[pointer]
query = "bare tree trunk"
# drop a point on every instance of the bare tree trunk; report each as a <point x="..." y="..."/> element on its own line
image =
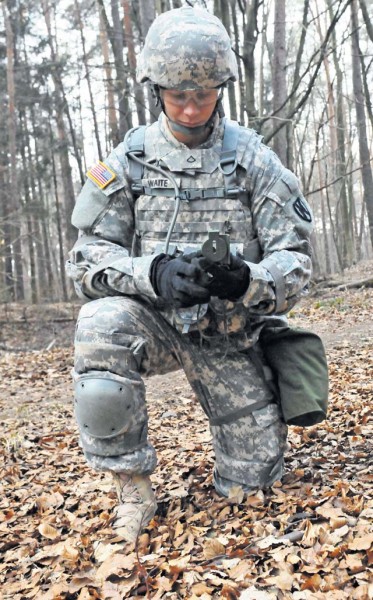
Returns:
<point x="66" y="175"/>
<point x="60" y="91"/>
<point x="367" y="19"/>
<point x="139" y="92"/>
<point x="123" y="86"/>
<point x="44" y="280"/>
<point x="162" y="5"/>
<point x="225" y="18"/>
<point x="7" y="294"/>
<point x="115" y="36"/>
<point x="324" y="223"/>
<point x="366" y="170"/>
<point x="61" y="108"/>
<point x="14" y="207"/>
<point x="147" y="16"/>
<point x="325" y="236"/>
<point x="58" y="222"/>
<point x="312" y="78"/>
<point x="366" y="86"/>
<point x="263" y="44"/>
<point x="296" y="81"/>
<point x="110" y="89"/>
<point x="337" y="123"/>
<point x="29" y="210"/>
<point x="237" y="52"/>
<point x="331" y="158"/>
<point x="279" y="79"/>
<point x="250" y="39"/>
<point x="44" y="254"/>
<point x="88" y="77"/>
<point x="333" y="231"/>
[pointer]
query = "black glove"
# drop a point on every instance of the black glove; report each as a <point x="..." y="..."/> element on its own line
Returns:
<point x="178" y="281"/>
<point x="227" y="282"/>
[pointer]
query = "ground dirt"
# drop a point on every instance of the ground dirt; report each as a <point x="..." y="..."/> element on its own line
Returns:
<point x="309" y="536"/>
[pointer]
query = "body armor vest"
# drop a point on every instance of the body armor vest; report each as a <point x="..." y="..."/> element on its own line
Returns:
<point x="211" y="193"/>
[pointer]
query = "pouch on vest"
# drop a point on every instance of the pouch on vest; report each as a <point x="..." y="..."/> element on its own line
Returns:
<point x="297" y="359"/>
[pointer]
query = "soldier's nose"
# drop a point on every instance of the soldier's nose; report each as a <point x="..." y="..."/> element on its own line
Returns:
<point x="191" y="108"/>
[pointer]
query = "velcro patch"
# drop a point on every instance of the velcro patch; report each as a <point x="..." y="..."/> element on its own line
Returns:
<point x="101" y="175"/>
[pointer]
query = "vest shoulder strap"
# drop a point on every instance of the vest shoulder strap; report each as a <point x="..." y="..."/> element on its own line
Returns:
<point x="135" y="143"/>
<point x="228" y="154"/>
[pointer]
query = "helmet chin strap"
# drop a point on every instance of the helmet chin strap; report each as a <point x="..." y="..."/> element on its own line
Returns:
<point x="188" y="130"/>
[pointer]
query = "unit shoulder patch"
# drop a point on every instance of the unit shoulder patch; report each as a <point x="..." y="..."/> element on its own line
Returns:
<point x="302" y="210"/>
<point x="101" y="175"/>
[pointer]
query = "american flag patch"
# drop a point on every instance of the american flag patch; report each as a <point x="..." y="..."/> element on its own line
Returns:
<point x="101" y="175"/>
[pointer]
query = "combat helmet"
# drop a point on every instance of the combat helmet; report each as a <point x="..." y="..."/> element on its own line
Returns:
<point x="187" y="48"/>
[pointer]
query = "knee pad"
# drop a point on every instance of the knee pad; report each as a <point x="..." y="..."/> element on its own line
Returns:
<point x="111" y="413"/>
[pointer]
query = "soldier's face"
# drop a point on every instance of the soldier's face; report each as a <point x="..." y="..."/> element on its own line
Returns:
<point x="191" y="108"/>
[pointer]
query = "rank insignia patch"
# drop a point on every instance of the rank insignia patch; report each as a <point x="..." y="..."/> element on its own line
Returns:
<point x="101" y="175"/>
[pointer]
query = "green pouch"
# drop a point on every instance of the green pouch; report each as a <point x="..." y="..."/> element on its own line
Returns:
<point x="298" y="361"/>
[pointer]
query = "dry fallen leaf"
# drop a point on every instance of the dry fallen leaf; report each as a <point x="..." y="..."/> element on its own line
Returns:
<point x="316" y="523"/>
<point x="70" y="551"/>
<point x="283" y="582"/>
<point x="312" y="583"/>
<point x="177" y="565"/>
<point x="201" y="588"/>
<point x="236" y="494"/>
<point x="212" y="548"/>
<point x="48" y="531"/>
<point x="115" y="564"/>
<point x="362" y="543"/>
<point x="254" y="593"/>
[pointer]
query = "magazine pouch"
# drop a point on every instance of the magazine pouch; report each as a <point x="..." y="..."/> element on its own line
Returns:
<point x="298" y="361"/>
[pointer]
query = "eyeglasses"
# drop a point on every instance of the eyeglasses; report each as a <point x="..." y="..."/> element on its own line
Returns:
<point x="200" y="97"/>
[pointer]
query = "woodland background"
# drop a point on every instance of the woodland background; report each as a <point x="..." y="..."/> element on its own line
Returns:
<point x="68" y="93"/>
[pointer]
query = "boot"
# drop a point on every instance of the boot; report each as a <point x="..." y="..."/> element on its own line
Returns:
<point x="137" y="504"/>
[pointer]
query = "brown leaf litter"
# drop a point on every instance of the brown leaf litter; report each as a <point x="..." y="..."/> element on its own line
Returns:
<point x="309" y="537"/>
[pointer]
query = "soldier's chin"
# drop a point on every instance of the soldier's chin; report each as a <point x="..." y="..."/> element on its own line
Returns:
<point x="187" y="129"/>
<point x="194" y="126"/>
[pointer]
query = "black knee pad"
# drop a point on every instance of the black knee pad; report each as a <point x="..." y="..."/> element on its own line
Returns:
<point x="111" y="413"/>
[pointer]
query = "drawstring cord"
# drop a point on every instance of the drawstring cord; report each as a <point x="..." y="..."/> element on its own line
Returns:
<point x="224" y="313"/>
<point x="177" y="194"/>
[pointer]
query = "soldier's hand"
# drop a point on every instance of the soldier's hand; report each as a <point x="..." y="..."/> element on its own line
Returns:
<point x="226" y="282"/>
<point x="182" y="283"/>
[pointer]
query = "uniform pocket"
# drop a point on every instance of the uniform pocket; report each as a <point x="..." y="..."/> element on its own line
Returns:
<point x="266" y="416"/>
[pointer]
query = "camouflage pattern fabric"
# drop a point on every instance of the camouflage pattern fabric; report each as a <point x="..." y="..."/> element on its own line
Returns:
<point x="187" y="48"/>
<point x="129" y="231"/>
<point x="111" y="263"/>
<point x="124" y="338"/>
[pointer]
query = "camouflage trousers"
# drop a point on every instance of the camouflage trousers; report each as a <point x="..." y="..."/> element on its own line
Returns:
<point x="124" y="339"/>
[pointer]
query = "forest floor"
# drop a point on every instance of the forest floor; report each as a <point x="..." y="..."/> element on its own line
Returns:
<point x="308" y="537"/>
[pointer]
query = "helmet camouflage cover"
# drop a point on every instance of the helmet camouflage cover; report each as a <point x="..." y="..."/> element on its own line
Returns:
<point x="187" y="48"/>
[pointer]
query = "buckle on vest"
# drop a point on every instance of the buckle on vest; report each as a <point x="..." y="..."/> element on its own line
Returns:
<point x="226" y="159"/>
<point x="233" y="192"/>
<point x="192" y="194"/>
<point x="137" y="188"/>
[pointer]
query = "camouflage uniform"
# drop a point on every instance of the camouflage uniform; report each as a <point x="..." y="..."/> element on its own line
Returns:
<point x="128" y="332"/>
